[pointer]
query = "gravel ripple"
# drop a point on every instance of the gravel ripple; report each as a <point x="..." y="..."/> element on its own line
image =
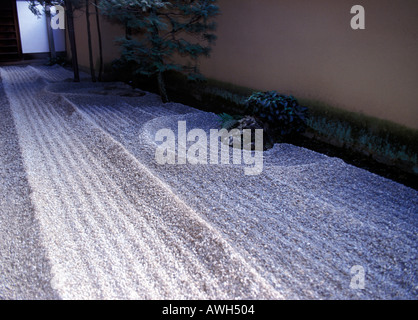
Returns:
<point x="114" y="224"/>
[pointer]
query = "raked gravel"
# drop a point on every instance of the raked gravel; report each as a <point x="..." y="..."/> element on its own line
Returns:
<point x="24" y="268"/>
<point x="100" y="219"/>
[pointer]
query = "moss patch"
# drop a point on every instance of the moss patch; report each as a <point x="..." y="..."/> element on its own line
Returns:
<point x="383" y="140"/>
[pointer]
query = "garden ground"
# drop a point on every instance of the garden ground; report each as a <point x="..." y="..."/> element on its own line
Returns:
<point x="87" y="213"/>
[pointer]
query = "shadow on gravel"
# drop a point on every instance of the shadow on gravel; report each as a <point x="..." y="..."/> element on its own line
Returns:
<point x="24" y="268"/>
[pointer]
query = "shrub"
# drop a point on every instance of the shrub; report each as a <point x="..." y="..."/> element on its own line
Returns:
<point x="168" y="29"/>
<point x="283" y="113"/>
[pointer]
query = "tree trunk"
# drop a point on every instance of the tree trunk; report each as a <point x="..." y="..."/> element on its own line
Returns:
<point x="160" y="76"/>
<point x="71" y="35"/>
<point x="99" y="34"/>
<point x="92" y="72"/>
<point x="128" y="32"/>
<point x="161" y="87"/>
<point x="51" y="42"/>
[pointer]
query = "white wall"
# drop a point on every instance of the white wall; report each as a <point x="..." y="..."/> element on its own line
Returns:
<point x="33" y="31"/>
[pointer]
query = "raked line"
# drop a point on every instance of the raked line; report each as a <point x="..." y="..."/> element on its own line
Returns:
<point x="111" y="229"/>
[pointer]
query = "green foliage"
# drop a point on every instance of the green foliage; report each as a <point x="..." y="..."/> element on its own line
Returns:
<point x="338" y="130"/>
<point x="281" y="111"/>
<point x="33" y="4"/>
<point x="227" y="121"/>
<point x="165" y="29"/>
<point x="390" y="147"/>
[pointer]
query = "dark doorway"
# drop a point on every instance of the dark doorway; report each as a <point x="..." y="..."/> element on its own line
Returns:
<point x="10" y="47"/>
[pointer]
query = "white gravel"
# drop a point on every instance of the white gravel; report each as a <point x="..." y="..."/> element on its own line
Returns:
<point x="113" y="224"/>
<point x="24" y="269"/>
